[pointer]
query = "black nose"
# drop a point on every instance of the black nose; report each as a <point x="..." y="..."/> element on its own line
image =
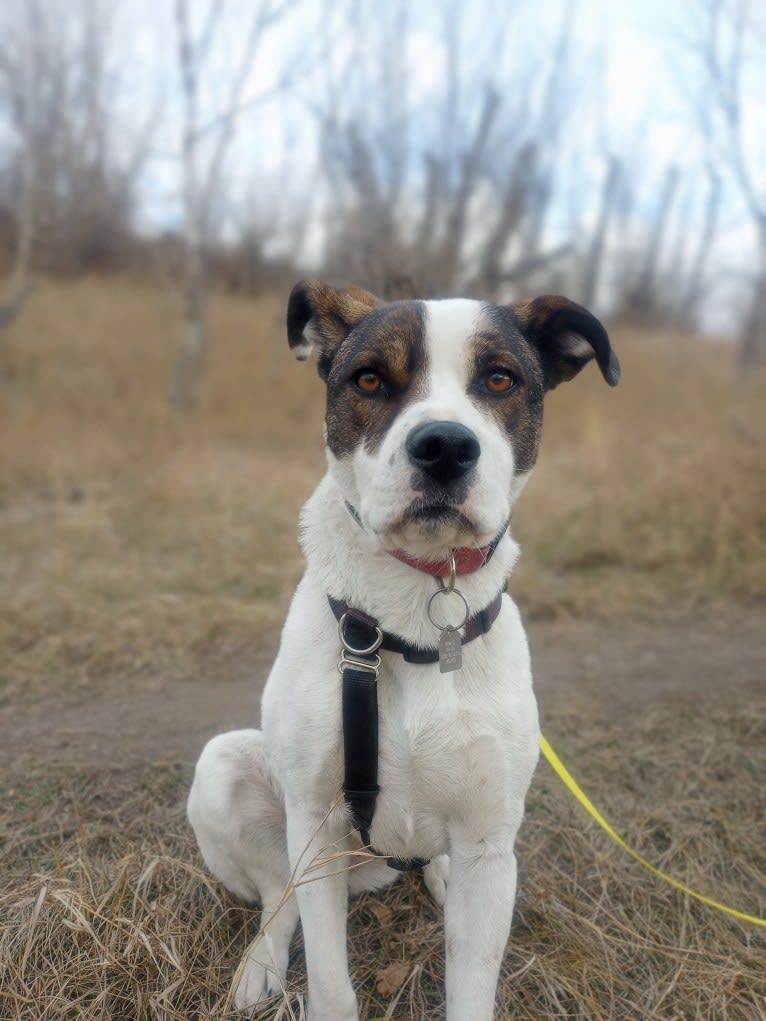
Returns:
<point x="445" y="451"/>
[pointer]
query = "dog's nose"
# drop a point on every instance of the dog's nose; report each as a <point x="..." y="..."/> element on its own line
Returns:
<point x="445" y="451"/>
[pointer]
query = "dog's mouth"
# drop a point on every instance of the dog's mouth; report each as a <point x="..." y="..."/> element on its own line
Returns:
<point x="428" y="528"/>
<point x="430" y="521"/>
<point x="434" y="513"/>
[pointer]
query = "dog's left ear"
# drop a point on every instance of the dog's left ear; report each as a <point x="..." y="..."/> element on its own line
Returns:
<point x="322" y="316"/>
<point x="566" y="337"/>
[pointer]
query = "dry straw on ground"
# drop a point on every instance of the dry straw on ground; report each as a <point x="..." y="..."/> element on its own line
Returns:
<point x="108" y="914"/>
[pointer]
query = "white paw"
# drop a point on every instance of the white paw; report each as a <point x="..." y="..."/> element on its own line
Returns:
<point x="435" y="874"/>
<point x="256" y="984"/>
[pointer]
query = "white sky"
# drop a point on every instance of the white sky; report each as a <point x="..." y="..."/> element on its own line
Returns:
<point x="638" y="87"/>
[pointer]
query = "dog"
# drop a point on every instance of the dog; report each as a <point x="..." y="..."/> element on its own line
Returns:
<point x="433" y="418"/>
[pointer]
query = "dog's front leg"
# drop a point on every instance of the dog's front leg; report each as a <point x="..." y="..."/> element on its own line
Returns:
<point x="480" y="895"/>
<point x="316" y="848"/>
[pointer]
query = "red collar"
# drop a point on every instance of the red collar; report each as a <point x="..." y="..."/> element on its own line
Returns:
<point x="467" y="560"/>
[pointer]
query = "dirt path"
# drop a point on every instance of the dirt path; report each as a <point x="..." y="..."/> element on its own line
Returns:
<point x="603" y="672"/>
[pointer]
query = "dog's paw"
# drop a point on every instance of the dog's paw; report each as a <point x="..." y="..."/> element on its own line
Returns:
<point x="256" y="985"/>
<point x="435" y="874"/>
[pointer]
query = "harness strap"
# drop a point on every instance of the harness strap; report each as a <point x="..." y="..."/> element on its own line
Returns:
<point x="360" y="740"/>
<point x="359" y="666"/>
<point x="360" y="721"/>
<point x="360" y="731"/>
<point x="475" y="626"/>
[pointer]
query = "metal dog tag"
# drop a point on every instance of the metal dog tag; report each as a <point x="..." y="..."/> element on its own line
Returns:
<point x="450" y="650"/>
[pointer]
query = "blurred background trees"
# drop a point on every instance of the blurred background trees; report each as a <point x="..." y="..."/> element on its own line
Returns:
<point x="68" y="183"/>
<point x="420" y="151"/>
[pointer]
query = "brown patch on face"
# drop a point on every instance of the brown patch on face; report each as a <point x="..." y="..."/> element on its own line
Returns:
<point x="389" y="341"/>
<point x="500" y="346"/>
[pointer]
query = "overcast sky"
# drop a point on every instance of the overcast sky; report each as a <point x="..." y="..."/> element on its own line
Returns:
<point x="627" y="52"/>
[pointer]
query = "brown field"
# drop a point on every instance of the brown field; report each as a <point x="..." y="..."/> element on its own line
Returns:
<point x="137" y="544"/>
<point x="135" y="536"/>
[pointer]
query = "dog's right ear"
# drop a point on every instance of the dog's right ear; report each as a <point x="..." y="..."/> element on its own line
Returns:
<point x="322" y="316"/>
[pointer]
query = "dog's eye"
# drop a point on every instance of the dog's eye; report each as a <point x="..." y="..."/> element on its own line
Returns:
<point x="499" y="381"/>
<point x="367" y="381"/>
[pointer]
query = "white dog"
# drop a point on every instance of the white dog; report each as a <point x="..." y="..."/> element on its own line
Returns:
<point x="424" y="748"/>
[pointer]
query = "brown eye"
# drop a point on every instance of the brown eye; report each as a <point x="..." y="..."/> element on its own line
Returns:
<point x="500" y="381"/>
<point x="368" y="382"/>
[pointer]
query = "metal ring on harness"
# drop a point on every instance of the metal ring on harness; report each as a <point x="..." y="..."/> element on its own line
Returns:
<point x="359" y="652"/>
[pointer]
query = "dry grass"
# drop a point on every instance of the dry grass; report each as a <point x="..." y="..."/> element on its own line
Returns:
<point x="136" y="536"/>
<point x="109" y="916"/>
<point x="651" y="496"/>
<point x="133" y="536"/>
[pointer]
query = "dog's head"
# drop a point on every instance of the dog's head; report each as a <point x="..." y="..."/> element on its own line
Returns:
<point x="434" y="408"/>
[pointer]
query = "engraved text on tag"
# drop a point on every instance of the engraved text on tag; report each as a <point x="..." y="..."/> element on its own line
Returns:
<point x="450" y="651"/>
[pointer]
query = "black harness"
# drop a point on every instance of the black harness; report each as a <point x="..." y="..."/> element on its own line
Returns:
<point x="362" y="639"/>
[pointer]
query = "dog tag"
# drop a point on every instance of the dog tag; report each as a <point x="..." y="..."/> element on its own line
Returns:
<point x="450" y="650"/>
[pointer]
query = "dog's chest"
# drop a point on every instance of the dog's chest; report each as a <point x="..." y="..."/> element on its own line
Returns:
<point x="442" y="758"/>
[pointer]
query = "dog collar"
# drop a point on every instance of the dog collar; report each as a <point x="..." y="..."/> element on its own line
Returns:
<point x="467" y="560"/>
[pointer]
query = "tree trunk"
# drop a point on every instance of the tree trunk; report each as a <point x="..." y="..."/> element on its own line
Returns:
<point x="20" y="284"/>
<point x="595" y="257"/>
<point x="753" y="339"/>
<point x="187" y="374"/>
<point x="686" y="316"/>
<point x="190" y="364"/>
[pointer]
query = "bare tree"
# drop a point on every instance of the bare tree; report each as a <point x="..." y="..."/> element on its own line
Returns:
<point x="594" y="257"/>
<point x="20" y="283"/>
<point x="20" y="72"/>
<point x="727" y="44"/>
<point x="643" y="299"/>
<point x="70" y="190"/>
<point x="695" y="279"/>
<point x="450" y="189"/>
<point x="204" y="147"/>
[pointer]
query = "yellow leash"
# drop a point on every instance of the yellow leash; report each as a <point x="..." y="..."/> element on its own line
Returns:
<point x="563" y="773"/>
